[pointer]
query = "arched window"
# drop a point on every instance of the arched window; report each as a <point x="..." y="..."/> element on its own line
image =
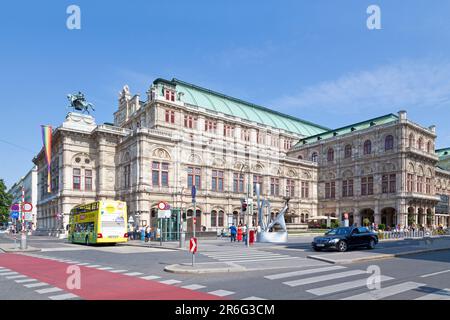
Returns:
<point x="221" y="219"/>
<point x="389" y="143"/>
<point x="411" y="140"/>
<point x="314" y="157"/>
<point x="300" y="157"/>
<point x="348" y="151"/>
<point x="213" y="218"/>
<point x="420" y="143"/>
<point x="330" y="155"/>
<point x="367" y="147"/>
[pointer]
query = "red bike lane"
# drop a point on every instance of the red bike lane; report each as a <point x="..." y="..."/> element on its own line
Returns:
<point x="98" y="284"/>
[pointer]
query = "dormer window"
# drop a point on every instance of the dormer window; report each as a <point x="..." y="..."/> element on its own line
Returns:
<point x="170" y="95"/>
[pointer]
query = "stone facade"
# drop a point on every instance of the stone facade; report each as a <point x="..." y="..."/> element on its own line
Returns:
<point x="184" y="135"/>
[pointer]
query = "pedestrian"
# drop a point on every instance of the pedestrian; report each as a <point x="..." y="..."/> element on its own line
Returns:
<point x="239" y="233"/>
<point x="233" y="232"/>
<point x="244" y="233"/>
<point x="147" y="233"/>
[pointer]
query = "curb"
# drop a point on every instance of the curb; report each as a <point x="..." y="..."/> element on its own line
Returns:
<point x="175" y="268"/>
<point x="379" y="257"/>
<point x="19" y="250"/>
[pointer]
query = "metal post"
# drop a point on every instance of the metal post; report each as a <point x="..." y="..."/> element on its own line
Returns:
<point x="23" y="239"/>
<point x="160" y="232"/>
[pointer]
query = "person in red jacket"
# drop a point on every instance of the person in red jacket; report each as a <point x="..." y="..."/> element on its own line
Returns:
<point x="239" y="233"/>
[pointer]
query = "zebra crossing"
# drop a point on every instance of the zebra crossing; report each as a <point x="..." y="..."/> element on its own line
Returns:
<point x="240" y="255"/>
<point x="41" y="288"/>
<point x="338" y="281"/>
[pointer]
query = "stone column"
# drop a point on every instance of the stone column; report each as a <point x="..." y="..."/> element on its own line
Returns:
<point x="356" y="217"/>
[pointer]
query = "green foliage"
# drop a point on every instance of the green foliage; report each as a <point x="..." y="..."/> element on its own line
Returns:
<point x="5" y="202"/>
<point x="335" y="224"/>
<point x="366" y="222"/>
<point x="381" y="226"/>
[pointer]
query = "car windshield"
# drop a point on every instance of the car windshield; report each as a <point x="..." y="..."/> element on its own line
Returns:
<point x="338" y="231"/>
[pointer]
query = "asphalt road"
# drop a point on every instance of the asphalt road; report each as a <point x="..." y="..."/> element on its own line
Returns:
<point x="126" y="272"/>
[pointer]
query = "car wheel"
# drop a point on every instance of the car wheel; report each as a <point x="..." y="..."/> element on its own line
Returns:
<point x="342" y="246"/>
<point x="371" y="244"/>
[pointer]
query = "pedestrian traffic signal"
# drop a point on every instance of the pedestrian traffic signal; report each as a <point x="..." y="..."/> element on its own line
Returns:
<point x="244" y="206"/>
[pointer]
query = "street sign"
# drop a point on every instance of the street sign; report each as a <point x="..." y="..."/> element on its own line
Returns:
<point x="162" y="205"/>
<point x="27" y="207"/>
<point x="15" y="215"/>
<point x="15" y="207"/>
<point x="193" y="245"/>
<point x="164" y="214"/>
<point x="130" y="219"/>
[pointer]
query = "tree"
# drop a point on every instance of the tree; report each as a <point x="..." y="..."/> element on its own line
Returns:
<point x="5" y="202"/>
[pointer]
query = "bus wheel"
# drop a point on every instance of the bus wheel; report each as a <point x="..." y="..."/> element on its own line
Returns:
<point x="87" y="241"/>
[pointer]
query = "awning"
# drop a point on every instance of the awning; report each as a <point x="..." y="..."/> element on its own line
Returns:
<point x="322" y="218"/>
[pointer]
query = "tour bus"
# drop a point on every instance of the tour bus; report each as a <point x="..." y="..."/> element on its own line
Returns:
<point x="99" y="222"/>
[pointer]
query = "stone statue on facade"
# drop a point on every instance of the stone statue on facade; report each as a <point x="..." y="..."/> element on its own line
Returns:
<point x="78" y="102"/>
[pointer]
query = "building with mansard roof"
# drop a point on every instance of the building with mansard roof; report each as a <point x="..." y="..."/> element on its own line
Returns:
<point x="384" y="169"/>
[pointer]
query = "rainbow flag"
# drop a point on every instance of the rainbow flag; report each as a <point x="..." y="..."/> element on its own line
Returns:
<point x="47" y="140"/>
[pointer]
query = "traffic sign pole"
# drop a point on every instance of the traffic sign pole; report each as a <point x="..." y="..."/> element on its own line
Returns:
<point x="23" y="239"/>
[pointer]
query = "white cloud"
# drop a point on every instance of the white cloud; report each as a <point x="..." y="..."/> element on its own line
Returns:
<point x="405" y="85"/>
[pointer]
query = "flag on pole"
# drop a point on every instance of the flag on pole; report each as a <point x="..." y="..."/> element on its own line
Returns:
<point x="47" y="140"/>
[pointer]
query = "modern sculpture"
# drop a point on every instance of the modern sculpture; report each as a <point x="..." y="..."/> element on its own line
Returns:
<point x="268" y="234"/>
<point x="78" y="102"/>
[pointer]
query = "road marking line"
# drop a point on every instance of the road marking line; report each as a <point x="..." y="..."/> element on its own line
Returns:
<point x="221" y="255"/>
<point x="25" y="280"/>
<point x="8" y="273"/>
<point x="193" y="287"/>
<point x="93" y="266"/>
<point x="35" y="285"/>
<point x="16" y="277"/>
<point x="434" y="274"/>
<point x="443" y="294"/>
<point x="253" y="298"/>
<point x="170" y="281"/>
<point x="386" y="292"/>
<point x="4" y="270"/>
<point x="221" y="293"/>
<point x="48" y="290"/>
<point x="343" y="286"/>
<point x="301" y="282"/>
<point x="270" y="259"/>
<point x="302" y="272"/>
<point x="133" y="274"/>
<point x="64" y="296"/>
<point x="82" y="264"/>
<point x="150" y="277"/>
<point x="118" y="271"/>
<point x="105" y="268"/>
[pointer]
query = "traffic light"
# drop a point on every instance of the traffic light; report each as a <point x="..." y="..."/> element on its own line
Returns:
<point x="244" y="206"/>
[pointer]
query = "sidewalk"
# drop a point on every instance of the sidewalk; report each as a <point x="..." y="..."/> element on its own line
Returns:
<point x="422" y="246"/>
<point x="173" y="245"/>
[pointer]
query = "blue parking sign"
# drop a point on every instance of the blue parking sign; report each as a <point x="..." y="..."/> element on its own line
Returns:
<point x="15" y="215"/>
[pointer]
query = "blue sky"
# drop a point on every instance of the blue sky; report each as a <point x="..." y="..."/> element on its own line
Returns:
<point x="314" y="59"/>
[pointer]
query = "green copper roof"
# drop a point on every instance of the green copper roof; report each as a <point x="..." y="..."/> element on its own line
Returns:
<point x="443" y="153"/>
<point x="347" y="129"/>
<point x="211" y="100"/>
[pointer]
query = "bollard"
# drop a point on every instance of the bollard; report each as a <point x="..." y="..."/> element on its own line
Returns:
<point x="23" y="241"/>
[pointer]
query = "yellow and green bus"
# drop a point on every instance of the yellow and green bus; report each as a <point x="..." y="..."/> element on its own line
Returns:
<point x="99" y="222"/>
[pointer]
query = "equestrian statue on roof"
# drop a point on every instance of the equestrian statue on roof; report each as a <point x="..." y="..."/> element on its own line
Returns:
<point x="78" y="102"/>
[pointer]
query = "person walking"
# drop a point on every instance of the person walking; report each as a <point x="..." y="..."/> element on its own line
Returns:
<point x="244" y="233"/>
<point x="233" y="232"/>
<point x="239" y="233"/>
<point x="147" y="233"/>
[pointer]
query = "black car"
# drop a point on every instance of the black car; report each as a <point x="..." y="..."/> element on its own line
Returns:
<point x="344" y="238"/>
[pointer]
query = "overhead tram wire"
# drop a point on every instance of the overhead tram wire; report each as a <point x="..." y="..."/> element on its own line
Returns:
<point x="17" y="146"/>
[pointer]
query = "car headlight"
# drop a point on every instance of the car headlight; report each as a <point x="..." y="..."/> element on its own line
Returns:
<point x="333" y="241"/>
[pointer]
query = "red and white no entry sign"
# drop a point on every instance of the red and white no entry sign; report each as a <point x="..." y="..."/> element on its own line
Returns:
<point x="193" y="245"/>
<point x="27" y="207"/>
<point x="162" y="205"/>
